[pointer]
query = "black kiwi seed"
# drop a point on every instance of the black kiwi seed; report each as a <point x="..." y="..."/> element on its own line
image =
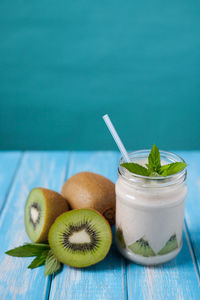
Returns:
<point x="172" y="238"/>
<point x="36" y="206"/>
<point x="83" y="247"/>
<point x="143" y="242"/>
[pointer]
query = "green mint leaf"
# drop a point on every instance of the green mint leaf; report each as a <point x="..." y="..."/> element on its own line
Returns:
<point x="154" y="160"/>
<point x="163" y="170"/>
<point x="28" y="250"/>
<point x="136" y="168"/>
<point x="39" y="260"/>
<point x="154" y="168"/>
<point x="52" y="265"/>
<point x="173" y="168"/>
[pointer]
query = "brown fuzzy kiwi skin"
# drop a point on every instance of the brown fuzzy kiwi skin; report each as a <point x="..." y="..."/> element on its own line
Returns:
<point x="55" y="205"/>
<point x="90" y="190"/>
<point x="110" y="235"/>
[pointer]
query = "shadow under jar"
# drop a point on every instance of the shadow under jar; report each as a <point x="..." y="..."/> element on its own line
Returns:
<point x="150" y="212"/>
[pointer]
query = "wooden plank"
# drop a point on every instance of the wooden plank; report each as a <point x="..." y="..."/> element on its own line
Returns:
<point x="9" y="162"/>
<point x="107" y="279"/>
<point x="178" y="279"/>
<point x="174" y="280"/>
<point x="193" y="202"/>
<point x="45" y="169"/>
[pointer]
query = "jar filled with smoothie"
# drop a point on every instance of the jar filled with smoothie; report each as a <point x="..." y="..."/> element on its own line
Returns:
<point x="150" y="199"/>
<point x="150" y="210"/>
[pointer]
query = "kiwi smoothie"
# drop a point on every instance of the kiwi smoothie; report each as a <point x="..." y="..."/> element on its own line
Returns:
<point x="150" y="210"/>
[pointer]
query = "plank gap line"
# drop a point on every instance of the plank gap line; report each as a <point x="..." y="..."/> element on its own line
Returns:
<point x="47" y="287"/>
<point x="191" y="249"/>
<point x="129" y="270"/>
<point x="125" y="279"/>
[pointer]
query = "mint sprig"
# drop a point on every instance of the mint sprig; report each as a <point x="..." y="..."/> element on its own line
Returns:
<point x="154" y="168"/>
<point x="173" y="168"/>
<point x="39" y="260"/>
<point x="28" y="250"/>
<point x="43" y="256"/>
<point x="52" y="265"/>
<point x="136" y="168"/>
<point x="154" y="164"/>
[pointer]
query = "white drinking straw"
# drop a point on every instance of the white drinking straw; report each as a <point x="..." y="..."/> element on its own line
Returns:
<point x="116" y="137"/>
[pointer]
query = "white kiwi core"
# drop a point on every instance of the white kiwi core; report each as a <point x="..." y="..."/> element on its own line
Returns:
<point x="80" y="237"/>
<point x="34" y="214"/>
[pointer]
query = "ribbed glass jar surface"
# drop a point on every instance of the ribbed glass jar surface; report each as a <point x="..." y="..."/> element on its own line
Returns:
<point x="150" y="212"/>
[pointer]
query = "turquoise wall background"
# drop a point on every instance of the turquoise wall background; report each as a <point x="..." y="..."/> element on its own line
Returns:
<point x="63" y="64"/>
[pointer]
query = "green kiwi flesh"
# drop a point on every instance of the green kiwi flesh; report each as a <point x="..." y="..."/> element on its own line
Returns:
<point x="34" y="214"/>
<point x="43" y="206"/>
<point x="80" y="237"/>
<point x="120" y="237"/>
<point x="142" y="247"/>
<point x="171" y="245"/>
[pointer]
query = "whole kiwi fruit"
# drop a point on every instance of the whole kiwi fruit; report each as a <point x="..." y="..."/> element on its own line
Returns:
<point x="91" y="190"/>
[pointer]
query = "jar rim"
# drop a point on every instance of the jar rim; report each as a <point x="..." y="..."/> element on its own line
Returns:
<point x="170" y="156"/>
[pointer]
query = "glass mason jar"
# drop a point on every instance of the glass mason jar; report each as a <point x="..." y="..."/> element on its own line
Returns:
<point x="150" y="212"/>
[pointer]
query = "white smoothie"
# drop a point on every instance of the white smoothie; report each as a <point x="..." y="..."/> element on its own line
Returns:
<point x="150" y="214"/>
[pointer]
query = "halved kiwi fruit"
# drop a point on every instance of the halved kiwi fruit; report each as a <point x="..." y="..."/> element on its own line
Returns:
<point x="90" y="190"/>
<point x="171" y="245"/>
<point x="43" y="206"/>
<point x="80" y="237"/>
<point x="142" y="247"/>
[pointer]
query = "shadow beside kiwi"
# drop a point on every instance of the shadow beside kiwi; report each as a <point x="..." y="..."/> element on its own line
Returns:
<point x="57" y="272"/>
<point x="113" y="260"/>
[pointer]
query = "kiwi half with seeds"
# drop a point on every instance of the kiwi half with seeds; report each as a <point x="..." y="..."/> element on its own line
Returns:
<point x="80" y="237"/>
<point x="142" y="247"/>
<point x="43" y="206"/>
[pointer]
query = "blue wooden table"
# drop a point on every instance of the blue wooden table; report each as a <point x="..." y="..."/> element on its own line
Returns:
<point x="114" y="277"/>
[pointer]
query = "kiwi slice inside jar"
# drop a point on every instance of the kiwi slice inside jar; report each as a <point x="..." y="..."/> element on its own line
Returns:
<point x="142" y="247"/>
<point x="171" y="245"/>
<point x="80" y="238"/>
<point x="42" y="207"/>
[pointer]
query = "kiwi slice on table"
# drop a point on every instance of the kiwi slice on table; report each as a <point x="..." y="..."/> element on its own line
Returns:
<point x="80" y="237"/>
<point x="142" y="247"/>
<point x="171" y="245"/>
<point x="120" y="237"/>
<point x="43" y="206"/>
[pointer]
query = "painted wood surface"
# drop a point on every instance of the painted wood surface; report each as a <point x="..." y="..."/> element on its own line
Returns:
<point x="36" y="169"/>
<point x="9" y="162"/>
<point x="114" y="277"/>
<point x="192" y="212"/>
